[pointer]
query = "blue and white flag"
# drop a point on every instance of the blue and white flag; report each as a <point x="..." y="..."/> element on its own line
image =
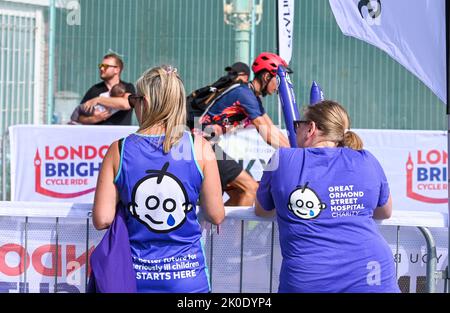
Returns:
<point x="410" y="31"/>
<point x="285" y="28"/>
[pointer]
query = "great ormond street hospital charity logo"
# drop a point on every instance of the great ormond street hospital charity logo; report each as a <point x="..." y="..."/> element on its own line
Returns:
<point x="427" y="181"/>
<point x="305" y="203"/>
<point x="67" y="172"/>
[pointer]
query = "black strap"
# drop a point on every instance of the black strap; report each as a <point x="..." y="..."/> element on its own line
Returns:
<point x="120" y="142"/>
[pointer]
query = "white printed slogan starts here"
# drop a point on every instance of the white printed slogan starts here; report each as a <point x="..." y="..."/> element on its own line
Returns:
<point x="345" y="201"/>
<point x="167" y="268"/>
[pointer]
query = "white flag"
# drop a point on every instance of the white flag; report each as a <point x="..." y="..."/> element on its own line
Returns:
<point x="285" y="28"/>
<point x="410" y="31"/>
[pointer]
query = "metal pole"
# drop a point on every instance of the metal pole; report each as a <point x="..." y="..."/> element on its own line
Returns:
<point x="4" y="166"/>
<point x="447" y="30"/>
<point x="241" y="15"/>
<point x="397" y="252"/>
<point x="243" y="27"/>
<point x="272" y="244"/>
<point x="252" y="36"/>
<point x="56" y="254"/>
<point x="241" y="271"/>
<point x="51" y="63"/>
<point x="278" y="27"/>
<point x="278" y="52"/>
<point x="25" y="265"/>
<point x="86" y="272"/>
<point x="242" y="44"/>
<point x="431" y="259"/>
<point x="211" y="256"/>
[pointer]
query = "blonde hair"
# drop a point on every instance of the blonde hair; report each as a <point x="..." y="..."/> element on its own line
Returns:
<point x="332" y="119"/>
<point x="165" y="103"/>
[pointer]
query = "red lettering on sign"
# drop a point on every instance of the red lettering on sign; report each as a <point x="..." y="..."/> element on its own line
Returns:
<point x="13" y="270"/>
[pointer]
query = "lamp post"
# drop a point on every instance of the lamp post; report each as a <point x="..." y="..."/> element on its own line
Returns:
<point x="242" y="15"/>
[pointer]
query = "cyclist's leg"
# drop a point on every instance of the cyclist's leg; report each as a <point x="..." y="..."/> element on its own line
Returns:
<point x="244" y="192"/>
<point x="229" y="169"/>
<point x="236" y="182"/>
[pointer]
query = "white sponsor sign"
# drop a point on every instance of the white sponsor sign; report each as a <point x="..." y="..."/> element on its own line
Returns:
<point x="40" y="262"/>
<point x="415" y="163"/>
<point x="59" y="163"/>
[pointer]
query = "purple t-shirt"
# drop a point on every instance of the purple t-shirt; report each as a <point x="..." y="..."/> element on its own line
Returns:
<point x="159" y="193"/>
<point x="324" y="200"/>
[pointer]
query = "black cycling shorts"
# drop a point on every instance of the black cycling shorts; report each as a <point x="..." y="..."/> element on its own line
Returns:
<point x="229" y="169"/>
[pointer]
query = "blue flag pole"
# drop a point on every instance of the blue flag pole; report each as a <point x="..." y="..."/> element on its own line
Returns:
<point x="287" y="99"/>
<point x="447" y="48"/>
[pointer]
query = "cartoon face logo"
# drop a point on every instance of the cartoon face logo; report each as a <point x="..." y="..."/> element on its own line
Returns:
<point x="305" y="203"/>
<point x="159" y="201"/>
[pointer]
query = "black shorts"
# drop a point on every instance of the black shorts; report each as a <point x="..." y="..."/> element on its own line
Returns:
<point x="229" y="169"/>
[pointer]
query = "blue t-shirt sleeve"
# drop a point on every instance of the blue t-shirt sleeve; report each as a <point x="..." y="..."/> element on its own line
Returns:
<point x="384" y="185"/>
<point x="251" y="105"/>
<point x="264" y="193"/>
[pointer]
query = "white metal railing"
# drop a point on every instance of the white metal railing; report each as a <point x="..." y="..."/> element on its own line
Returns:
<point x="243" y="254"/>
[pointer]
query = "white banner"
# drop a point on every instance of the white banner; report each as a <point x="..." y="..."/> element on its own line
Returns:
<point x="50" y="257"/>
<point x="411" y="32"/>
<point x="59" y="163"/>
<point x="285" y="28"/>
<point x="38" y="263"/>
<point x="415" y="163"/>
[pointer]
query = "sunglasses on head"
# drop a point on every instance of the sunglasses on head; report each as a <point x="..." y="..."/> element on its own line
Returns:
<point x="106" y="66"/>
<point x="134" y="100"/>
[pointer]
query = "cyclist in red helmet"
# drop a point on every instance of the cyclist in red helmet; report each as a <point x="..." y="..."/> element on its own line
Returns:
<point x="268" y="61"/>
<point x="241" y="107"/>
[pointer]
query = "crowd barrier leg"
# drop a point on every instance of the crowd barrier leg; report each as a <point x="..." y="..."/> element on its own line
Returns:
<point x="56" y="253"/>
<point x="241" y="274"/>
<point x="4" y="189"/>
<point x="447" y="280"/>
<point x="86" y="273"/>
<point x="397" y="251"/>
<point x="272" y="245"/>
<point x="25" y="265"/>
<point x="431" y="259"/>
<point x="211" y="237"/>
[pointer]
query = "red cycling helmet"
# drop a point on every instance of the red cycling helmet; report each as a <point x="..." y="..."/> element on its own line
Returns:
<point x="268" y="61"/>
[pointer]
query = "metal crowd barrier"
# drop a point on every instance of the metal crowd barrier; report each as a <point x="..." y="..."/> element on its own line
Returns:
<point x="243" y="253"/>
